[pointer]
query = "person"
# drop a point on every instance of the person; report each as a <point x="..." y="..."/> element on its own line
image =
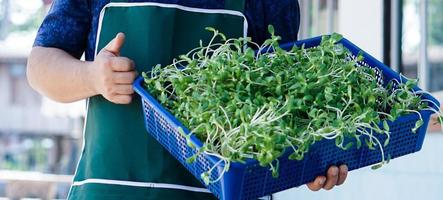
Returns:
<point x="119" y="159"/>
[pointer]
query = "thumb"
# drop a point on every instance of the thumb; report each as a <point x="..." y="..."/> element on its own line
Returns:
<point x="116" y="44"/>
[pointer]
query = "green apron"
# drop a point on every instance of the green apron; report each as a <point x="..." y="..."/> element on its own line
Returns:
<point x="119" y="159"/>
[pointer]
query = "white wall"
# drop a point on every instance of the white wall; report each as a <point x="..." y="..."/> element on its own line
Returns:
<point x="361" y="22"/>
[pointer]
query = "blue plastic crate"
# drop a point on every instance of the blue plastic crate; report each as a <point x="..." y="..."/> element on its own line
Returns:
<point x="250" y="180"/>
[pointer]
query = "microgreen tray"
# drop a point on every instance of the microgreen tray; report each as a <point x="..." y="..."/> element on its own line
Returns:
<point x="249" y="180"/>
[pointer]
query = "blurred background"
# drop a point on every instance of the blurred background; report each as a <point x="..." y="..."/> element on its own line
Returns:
<point x="40" y="140"/>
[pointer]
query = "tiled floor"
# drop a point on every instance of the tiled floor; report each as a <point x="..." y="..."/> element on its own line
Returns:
<point x="416" y="176"/>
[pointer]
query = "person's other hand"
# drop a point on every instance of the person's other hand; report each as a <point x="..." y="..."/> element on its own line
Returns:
<point x="434" y="125"/>
<point x="113" y="75"/>
<point x="335" y="176"/>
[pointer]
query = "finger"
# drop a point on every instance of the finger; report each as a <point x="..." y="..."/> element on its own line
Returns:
<point x="342" y="174"/>
<point x="317" y="184"/>
<point x="123" y="89"/>
<point x="332" y="178"/>
<point x="122" y="99"/>
<point x="125" y="77"/>
<point x="116" y="44"/>
<point x="122" y="64"/>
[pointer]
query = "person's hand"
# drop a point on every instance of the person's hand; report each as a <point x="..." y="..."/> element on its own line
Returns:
<point x="111" y="75"/>
<point x="335" y="176"/>
<point x="434" y="125"/>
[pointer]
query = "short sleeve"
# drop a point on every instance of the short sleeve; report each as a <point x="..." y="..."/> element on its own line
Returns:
<point x="66" y="27"/>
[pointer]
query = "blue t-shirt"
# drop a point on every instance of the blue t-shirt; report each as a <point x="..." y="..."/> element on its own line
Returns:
<point x="71" y="25"/>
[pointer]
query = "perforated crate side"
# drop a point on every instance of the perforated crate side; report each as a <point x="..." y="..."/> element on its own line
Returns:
<point x="249" y="181"/>
<point x="176" y="145"/>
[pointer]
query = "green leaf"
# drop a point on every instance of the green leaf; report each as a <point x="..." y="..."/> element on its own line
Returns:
<point x="358" y="142"/>
<point x="163" y="98"/>
<point x="145" y="75"/>
<point x="385" y="125"/>
<point x="191" y="159"/>
<point x="158" y="86"/>
<point x="275" y="173"/>
<point x="377" y="166"/>
<point x="418" y="124"/>
<point x="296" y="156"/>
<point x="348" y="146"/>
<point x="205" y="176"/>
<point x="411" y="83"/>
<point x="222" y="36"/>
<point x="386" y="142"/>
<point x="369" y="144"/>
<point x="181" y="131"/>
<point x="339" y="140"/>
<point x="271" y="29"/>
<point x="190" y="143"/>
<point x="211" y="29"/>
<point x="336" y="37"/>
<point x="350" y="91"/>
<point x="360" y="56"/>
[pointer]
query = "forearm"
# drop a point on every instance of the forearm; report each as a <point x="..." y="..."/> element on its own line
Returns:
<point x="63" y="78"/>
<point x="59" y="76"/>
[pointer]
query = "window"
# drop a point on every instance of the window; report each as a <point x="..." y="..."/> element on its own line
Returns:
<point x="18" y="84"/>
<point x="412" y="36"/>
<point x="318" y="17"/>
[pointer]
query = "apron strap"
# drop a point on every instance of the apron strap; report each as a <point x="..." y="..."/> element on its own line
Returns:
<point x="237" y="5"/>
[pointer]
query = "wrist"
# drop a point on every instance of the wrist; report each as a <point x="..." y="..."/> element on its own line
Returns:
<point x="89" y="78"/>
